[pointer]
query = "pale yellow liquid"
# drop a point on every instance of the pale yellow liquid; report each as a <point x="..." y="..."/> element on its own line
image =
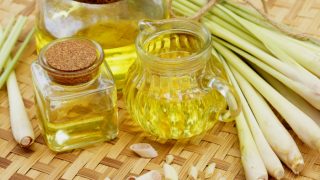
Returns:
<point x="73" y="123"/>
<point x="173" y="106"/>
<point x="115" y="37"/>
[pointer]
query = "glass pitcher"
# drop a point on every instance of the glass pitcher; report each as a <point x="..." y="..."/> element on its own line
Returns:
<point x="176" y="89"/>
<point x="111" y="23"/>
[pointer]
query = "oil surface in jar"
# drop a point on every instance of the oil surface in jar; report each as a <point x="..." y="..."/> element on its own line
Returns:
<point x="115" y="37"/>
<point x="174" y="105"/>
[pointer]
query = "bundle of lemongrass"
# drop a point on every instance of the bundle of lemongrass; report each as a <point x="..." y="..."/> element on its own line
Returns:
<point x="20" y="123"/>
<point x="266" y="67"/>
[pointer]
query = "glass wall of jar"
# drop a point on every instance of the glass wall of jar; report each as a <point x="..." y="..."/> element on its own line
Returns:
<point x="76" y="102"/>
<point x="112" y="23"/>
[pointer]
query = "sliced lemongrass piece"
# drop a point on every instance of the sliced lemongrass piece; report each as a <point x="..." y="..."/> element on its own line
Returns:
<point x="170" y="172"/>
<point x="144" y="150"/>
<point x="276" y="134"/>
<point x="151" y="175"/>
<point x="193" y="172"/>
<point x="270" y="159"/>
<point x="169" y="159"/>
<point x="306" y="129"/>
<point x="209" y="170"/>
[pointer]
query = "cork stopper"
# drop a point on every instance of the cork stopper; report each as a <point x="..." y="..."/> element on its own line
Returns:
<point x="97" y="1"/>
<point x="71" y="61"/>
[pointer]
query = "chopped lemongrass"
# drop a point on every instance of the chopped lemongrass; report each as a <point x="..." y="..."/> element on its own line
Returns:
<point x="169" y="159"/>
<point x="144" y="150"/>
<point x="170" y="172"/>
<point x="11" y="40"/>
<point x="151" y="175"/>
<point x="306" y="129"/>
<point x="209" y="170"/>
<point x="193" y="173"/>
<point x="270" y="159"/>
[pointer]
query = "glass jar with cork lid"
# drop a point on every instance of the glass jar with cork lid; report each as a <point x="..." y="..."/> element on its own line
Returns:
<point x="75" y="94"/>
<point x="112" y="23"/>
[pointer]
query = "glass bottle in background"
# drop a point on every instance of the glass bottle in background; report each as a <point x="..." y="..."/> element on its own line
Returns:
<point x="76" y="105"/>
<point x="112" y="23"/>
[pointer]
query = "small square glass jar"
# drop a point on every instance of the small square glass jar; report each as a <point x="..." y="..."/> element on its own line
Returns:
<point x="75" y="108"/>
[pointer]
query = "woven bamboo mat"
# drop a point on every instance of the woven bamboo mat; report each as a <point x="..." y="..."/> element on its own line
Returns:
<point x="114" y="159"/>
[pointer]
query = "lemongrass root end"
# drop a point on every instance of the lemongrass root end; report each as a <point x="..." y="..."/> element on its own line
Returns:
<point x="26" y="142"/>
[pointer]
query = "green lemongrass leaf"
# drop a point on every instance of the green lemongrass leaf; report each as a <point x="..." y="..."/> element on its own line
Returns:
<point x="312" y="95"/>
<point x="11" y="40"/>
<point x="11" y="64"/>
<point x="6" y="31"/>
<point x="277" y="135"/>
<point x="270" y="159"/>
<point x="308" y="59"/>
<point x="254" y="19"/>
<point x="180" y="8"/>
<point x="306" y="129"/>
<point x="214" y="12"/>
<point x="244" y="8"/>
<point x="286" y="69"/>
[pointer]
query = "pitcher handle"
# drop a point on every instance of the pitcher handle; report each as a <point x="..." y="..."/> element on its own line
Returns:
<point x="231" y="97"/>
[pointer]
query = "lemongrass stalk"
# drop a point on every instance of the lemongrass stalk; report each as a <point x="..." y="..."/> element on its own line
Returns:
<point x="11" y="40"/>
<point x="276" y="134"/>
<point x="306" y="44"/>
<point x="312" y="95"/>
<point x="20" y="123"/>
<point x="187" y="10"/>
<point x="270" y="159"/>
<point x="196" y="5"/>
<point x="244" y="8"/>
<point x="10" y="66"/>
<point x="276" y="51"/>
<point x="254" y="19"/>
<point x="6" y="31"/>
<point x="284" y="68"/>
<point x="306" y="129"/>
<point x="307" y="58"/>
<point x="251" y="160"/>
<point x="295" y="99"/>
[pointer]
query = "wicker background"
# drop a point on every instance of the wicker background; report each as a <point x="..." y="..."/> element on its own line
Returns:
<point x="114" y="159"/>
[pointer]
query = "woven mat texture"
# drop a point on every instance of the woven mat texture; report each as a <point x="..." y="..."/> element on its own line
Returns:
<point x="114" y="159"/>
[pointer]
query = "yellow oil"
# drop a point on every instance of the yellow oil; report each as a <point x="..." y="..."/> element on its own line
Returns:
<point x="173" y="105"/>
<point x="115" y="37"/>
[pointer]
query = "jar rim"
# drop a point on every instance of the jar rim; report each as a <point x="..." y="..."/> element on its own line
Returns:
<point x="206" y="34"/>
<point x="44" y="64"/>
